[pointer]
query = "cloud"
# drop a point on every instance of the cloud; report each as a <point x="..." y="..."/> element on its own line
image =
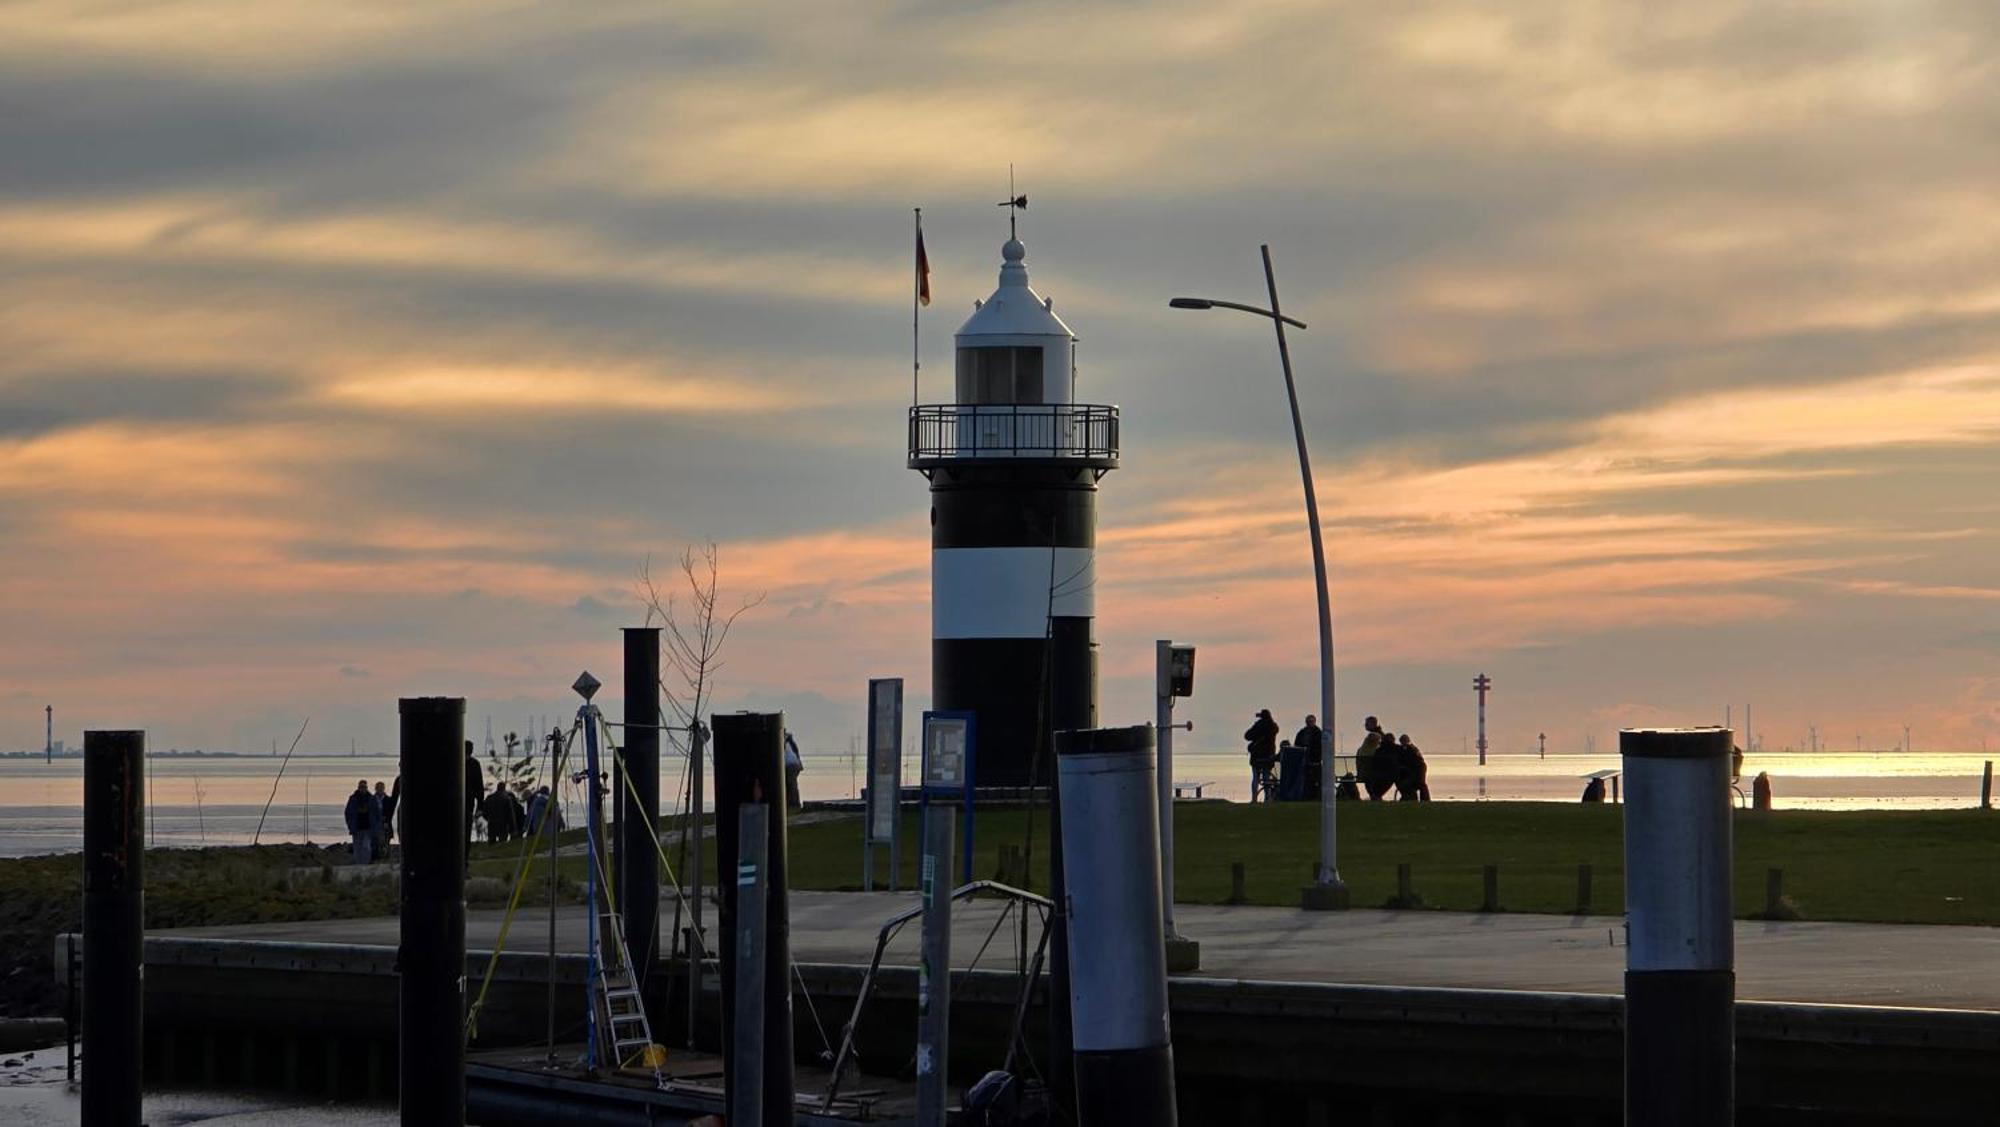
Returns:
<point x="1626" y="335"/>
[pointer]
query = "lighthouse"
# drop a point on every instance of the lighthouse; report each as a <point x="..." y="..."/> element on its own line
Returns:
<point x="1013" y="463"/>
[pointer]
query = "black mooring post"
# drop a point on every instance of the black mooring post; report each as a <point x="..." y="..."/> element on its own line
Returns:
<point x="743" y="1083"/>
<point x="638" y="804"/>
<point x="1680" y="959"/>
<point x="431" y="961"/>
<point x="750" y="768"/>
<point x="114" y="925"/>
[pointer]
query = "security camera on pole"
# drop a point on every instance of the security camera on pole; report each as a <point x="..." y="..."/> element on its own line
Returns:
<point x="1173" y="676"/>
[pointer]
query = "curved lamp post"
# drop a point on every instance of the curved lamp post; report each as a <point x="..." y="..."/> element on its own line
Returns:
<point x="1327" y="889"/>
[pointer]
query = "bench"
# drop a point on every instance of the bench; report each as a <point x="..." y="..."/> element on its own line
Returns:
<point x="1181" y="789"/>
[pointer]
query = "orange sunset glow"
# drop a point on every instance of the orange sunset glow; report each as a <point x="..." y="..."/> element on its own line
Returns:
<point x="371" y="350"/>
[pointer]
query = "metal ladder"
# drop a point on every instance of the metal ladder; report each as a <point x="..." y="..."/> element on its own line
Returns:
<point x="622" y="1023"/>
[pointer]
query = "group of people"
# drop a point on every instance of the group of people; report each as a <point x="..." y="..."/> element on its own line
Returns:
<point x="1290" y="770"/>
<point x="1284" y="770"/>
<point x="371" y="814"/>
<point x="506" y="817"/>
<point x="1385" y="760"/>
<point x="371" y="819"/>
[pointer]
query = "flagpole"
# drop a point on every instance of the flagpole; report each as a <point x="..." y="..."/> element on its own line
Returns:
<point x="916" y="295"/>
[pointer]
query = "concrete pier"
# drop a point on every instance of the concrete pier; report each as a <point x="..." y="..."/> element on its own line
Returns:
<point x="1437" y="1017"/>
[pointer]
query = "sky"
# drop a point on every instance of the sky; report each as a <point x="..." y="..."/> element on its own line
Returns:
<point x="362" y="350"/>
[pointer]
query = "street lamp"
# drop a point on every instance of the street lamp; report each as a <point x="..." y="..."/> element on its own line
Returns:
<point x="1327" y="889"/>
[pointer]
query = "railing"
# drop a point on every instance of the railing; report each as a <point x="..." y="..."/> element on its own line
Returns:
<point x="943" y="432"/>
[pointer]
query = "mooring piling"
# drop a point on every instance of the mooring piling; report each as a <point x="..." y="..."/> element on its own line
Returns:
<point x="431" y="900"/>
<point x="750" y="769"/>
<point x="1118" y="987"/>
<point x="1680" y="980"/>
<point x="1986" y="787"/>
<point x="638" y="806"/>
<point x="114" y="926"/>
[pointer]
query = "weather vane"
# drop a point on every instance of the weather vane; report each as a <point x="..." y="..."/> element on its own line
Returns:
<point x="1014" y="204"/>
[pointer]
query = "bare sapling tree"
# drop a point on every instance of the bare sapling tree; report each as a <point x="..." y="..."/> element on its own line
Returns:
<point x="695" y="623"/>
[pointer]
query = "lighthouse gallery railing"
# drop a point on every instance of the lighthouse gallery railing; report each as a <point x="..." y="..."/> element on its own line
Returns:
<point x="1087" y="432"/>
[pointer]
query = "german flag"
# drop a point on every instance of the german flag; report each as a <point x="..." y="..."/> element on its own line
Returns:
<point x="923" y="269"/>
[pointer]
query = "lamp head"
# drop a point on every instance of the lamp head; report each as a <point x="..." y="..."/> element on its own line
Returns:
<point x="1191" y="303"/>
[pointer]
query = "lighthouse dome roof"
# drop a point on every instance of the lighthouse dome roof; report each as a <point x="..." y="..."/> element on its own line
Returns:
<point x="1015" y="309"/>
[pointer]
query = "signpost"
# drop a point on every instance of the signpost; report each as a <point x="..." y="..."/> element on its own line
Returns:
<point x="934" y="972"/>
<point x="885" y="777"/>
<point x="950" y="739"/>
<point x="950" y="752"/>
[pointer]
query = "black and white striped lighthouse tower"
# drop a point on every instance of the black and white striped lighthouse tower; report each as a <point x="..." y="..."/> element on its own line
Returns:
<point x="1014" y="463"/>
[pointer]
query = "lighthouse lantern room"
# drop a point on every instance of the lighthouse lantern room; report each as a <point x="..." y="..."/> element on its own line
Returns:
<point x="1014" y="464"/>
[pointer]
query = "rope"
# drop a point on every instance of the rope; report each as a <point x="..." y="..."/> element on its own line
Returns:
<point x="826" y="1046"/>
<point x="680" y="894"/>
<point x="514" y="901"/>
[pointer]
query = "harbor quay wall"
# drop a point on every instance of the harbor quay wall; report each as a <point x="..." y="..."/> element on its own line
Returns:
<point x="321" y="1019"/>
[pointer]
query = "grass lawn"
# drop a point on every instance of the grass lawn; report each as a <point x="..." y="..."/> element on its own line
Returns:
<point x="1932" y="866"/>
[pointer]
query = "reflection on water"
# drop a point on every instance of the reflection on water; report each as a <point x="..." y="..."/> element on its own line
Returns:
<point x="218" y="801"/>
<point x="1827" y="781"/>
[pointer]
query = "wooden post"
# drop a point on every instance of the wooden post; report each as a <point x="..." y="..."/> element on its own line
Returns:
<point x="1492" y="882"/>
<point x="1583" y="889"/>
<point x="1238" y="893"/>
<point x="1986" y="787"/>
<point x="636" y="797"/>
<point x="431" y="902"/>
<point x="114" y="928"/>
<point x="1774" y="892"/>
<point x="1406" y="896"/>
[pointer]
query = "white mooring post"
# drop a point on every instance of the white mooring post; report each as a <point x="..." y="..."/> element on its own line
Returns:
<point x="1680" y="977"/>
<point x="1118" y="973"/>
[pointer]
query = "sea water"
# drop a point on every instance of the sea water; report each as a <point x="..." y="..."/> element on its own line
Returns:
<point x="223" y="800"/>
